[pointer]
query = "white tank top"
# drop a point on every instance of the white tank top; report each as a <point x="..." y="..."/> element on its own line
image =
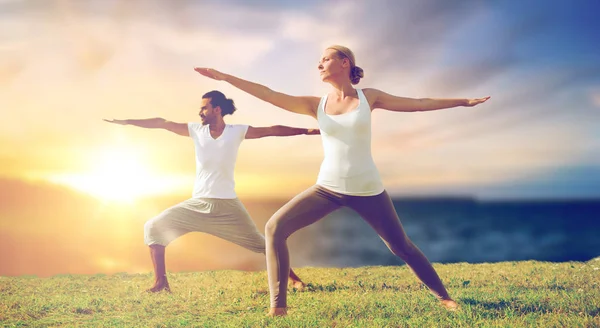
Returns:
<point x="348" y="166"/>
<point x="215" y="160"/>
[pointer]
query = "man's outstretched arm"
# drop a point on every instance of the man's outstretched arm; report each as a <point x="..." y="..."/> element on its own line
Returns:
<point x="278" y="131"/>
<point x="156" y="123"/>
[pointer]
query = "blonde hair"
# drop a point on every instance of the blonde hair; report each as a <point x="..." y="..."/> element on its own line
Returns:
<point x="356" y="73"/>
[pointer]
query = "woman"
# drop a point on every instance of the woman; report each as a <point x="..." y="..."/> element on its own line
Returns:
<point x="348" y="176"/>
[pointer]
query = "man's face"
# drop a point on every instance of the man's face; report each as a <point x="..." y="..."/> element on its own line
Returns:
<point x="208" y="113"/>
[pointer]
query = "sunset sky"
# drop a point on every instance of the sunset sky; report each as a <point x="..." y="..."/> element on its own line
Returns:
<point x="65" y="65"/>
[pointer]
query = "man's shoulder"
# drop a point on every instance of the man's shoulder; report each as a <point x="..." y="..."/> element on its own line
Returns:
<point x="237" y="127"/>
<point x="239" y="130"/>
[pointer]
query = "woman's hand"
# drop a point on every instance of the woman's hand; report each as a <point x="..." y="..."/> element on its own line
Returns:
<point x="473" y="102"/>
<point x="211" y="73"/>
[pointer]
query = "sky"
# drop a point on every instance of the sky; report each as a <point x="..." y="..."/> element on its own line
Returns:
<point x="65" y="65"/>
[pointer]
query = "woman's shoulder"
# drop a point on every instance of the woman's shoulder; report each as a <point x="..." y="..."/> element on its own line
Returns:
<point x="370" y="92"/>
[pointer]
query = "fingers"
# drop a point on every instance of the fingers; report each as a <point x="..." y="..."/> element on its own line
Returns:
<point x="200" y="70"/>
<point x="478" y="101"/>
<point x="121" y="122"/>
<point x="209" y="72"/>
<point x="204" y="71"/>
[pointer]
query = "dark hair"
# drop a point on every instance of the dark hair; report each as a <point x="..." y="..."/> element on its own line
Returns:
<point x="217" y="98"/>
<point x="356" y="73"/>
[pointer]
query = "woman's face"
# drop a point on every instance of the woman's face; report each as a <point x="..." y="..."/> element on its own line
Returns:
<point x="331" y="66"/>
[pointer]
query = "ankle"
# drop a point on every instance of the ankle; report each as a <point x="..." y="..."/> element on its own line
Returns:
<point x="277" y="311"/>
<point x="161" y="280"/>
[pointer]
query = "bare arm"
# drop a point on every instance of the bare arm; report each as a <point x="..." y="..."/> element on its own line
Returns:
<point x="380" y="99"/>
<point x="156" y="123"/>
<point x="278" y="131"/>
<point x="299" y="105"/>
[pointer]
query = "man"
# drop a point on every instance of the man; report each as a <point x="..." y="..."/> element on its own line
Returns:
<point x="214" y="207"/>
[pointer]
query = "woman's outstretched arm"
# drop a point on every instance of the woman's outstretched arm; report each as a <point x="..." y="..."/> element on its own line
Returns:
<point x="380" y="99"/>
<point x="299" y="105"/>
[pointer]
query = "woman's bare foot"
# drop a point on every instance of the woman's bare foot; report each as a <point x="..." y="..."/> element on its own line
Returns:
<point x="298" y="284"/>
<point x="450" y="305"/>
<point x="277" y="312"/>
<point x="295" y="281"/>
<point x="159" y="286"/>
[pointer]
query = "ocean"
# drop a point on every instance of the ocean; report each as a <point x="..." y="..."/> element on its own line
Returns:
<point x="450" y="230"/>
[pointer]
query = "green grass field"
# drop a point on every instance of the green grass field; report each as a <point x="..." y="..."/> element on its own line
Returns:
<point x="510" y="294"/>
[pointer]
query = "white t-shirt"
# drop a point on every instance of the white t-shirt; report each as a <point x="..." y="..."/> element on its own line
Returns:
<point x="348" y="166"/>
<point x="215" y="160"/>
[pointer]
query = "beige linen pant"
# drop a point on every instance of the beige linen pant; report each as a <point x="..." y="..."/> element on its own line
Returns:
<point x="224" y="218"/>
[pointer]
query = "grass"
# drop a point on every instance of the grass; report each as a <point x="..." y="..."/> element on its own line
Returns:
<point x="509" y="294"/>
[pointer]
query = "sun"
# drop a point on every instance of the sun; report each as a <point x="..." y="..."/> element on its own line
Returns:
<point x="120" y="175"/>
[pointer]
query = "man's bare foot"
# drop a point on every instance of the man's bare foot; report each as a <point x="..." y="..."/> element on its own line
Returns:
<point x="277" y="312"/>
<point x="159" y="286"/>
<point x="450" y="305"/>
<point x="298" y="284"/>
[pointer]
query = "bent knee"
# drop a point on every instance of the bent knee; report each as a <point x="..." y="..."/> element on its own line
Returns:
<point x="154" y="234"/>
<point x="274" y="230"/>
<point x="271" y="228"/>
<point x="150" y="227"/>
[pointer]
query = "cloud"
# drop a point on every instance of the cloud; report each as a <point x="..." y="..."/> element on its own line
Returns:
<point x="541" y="99"/>
<point x="87" y="36"/>
<point x="40" y="32"/>
<point x="134" y="58"/>
<point x="566" y="181"/>
<point x="302" y="27"/>
<point x="476" y="59"/>
<point x="10" y="68"/>
<point x="492" y="154"/>
<point x="402" y="36"/>
<point x="595" y="98"/>
<point x="12" y="7"/>
<point x="218" y="49"/>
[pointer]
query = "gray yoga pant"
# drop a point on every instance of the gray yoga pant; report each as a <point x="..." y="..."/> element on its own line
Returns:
<point x="316" y="202"/>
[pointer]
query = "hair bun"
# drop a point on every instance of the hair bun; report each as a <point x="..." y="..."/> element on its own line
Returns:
<point x="356" y="74"/>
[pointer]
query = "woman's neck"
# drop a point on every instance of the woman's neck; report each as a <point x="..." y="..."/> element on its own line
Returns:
<point x="343" y="89"/>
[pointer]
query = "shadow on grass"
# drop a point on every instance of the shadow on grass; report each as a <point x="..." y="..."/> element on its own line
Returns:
<point x="332" y="287"/>
<point x="519" y="306"/>
<point x="497" y="306"/>
<point x="311" y="287"/>
<point x="513" y="304"/>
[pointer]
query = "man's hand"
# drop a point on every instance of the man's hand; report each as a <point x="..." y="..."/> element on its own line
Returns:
<point x="313" y="131"/>
<point x="121" y="122"/>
